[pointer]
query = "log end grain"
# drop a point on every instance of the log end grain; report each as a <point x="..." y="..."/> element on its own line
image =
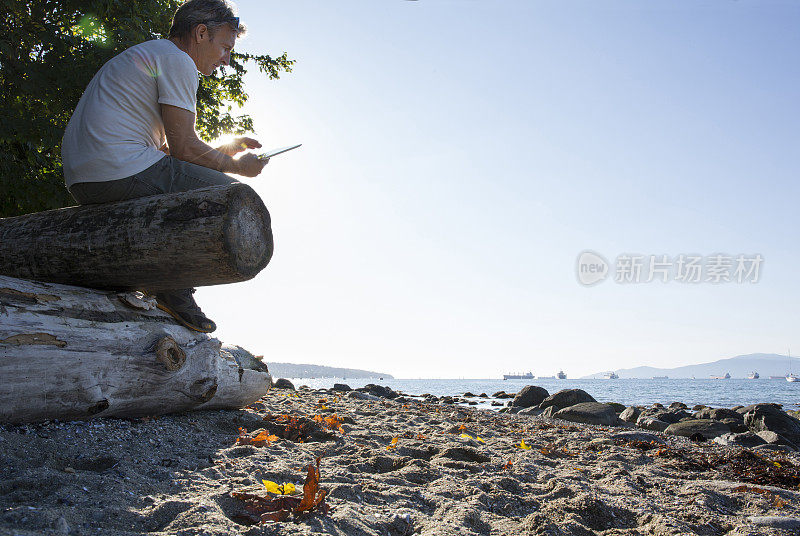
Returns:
<point x="247" y="231"/>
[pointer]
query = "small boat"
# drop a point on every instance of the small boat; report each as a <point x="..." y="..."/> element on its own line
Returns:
<point x="526" y="376"/>
<point x="660" y="377"/>
<point x="561" y="375"/>
<point x="726" y="377"/>
<point x="791" y="377"/>
<point x="753" y="376"/>
<point x="610" y="376"/>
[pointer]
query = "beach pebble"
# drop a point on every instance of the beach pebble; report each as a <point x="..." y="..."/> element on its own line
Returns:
<point x="778" y="522"/>
<point x="61" y="526"/>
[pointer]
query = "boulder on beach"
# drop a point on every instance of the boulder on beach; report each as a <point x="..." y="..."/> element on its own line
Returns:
<point x="768" y="417"/>
<point x="567" y="397"/>
<point x="589" y="413"/>
<point x="775" y="439"/>
<point x="678" y="405"/>
<point x="651" y="423"/>
<point x="631" y="414"/>
<point x="378" y="390"/>
<point x="342" y="387"/>
<point x="746" y="440"/>
<point x="718" y="414"/>
<point x="283" y="383"/>
<point x="705" y="427"/>
<point x="736" y="425"/>
<point x="530" y="395"/>
<point x="617" y="407"/>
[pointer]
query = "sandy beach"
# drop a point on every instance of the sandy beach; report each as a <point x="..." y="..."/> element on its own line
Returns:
<point x="397" y="467"/>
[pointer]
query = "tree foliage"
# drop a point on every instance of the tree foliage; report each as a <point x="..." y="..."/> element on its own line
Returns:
<point x="50" y="50"/>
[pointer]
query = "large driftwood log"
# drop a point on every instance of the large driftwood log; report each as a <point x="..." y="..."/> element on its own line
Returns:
<point x="210" y="236"/>
<point x="76" y="353"/>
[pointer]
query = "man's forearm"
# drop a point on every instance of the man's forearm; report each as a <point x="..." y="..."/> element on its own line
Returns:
<point x="204" y="155"/>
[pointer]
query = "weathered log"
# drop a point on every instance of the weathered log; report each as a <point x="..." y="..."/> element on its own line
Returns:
<point x="203" y="237"/>
<point x="75" y="353"/>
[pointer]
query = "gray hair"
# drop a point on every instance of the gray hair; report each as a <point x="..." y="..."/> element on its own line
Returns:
<point x="212" y="13"/>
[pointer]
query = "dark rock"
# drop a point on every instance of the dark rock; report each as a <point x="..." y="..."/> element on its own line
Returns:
<point x="483" y="395"/>
<point x="644" y="437"/>
<point x="378" y="390"/>
<point x="283" y="383"/>
<point x="747" y="440"/>
<point x="751" y="407"/>
<point x="631" y="414"/>
<point x="498" y="394"/>
<point x="775" y="439"/>
<point x="618" y="408"/>
<point x="530" y="395"/>
<point x="468" y="395"/>
<point x="736" y="425"/>
<point x="343" y="387"/>
<point x="472" y="403"/>
<point x="678" y="405"/>
<point x="533" y="410"/>
<point x="669" y="416"/>
<point x="658" y="405"/>
<point x="698" y="407"/>
<point x="651" y="423"/>
<point x="588" y="413"/>
<point x="566" y="398"/>
<point x="768" y="417"/>
<point x="718" y="414"/>
<point x="706" y="427"/>
<point x="362" y="396"/>
<point x="549" y="411"/>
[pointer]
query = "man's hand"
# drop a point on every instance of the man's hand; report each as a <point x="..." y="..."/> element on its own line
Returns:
<point x="250" y="165"/>
<point x="238" y="145"/>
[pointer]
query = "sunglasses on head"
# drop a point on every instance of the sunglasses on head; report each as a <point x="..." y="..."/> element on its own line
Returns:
<point x="233" y="21"/>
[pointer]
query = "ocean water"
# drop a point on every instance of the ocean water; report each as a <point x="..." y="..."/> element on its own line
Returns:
<point x="714" y="393"/>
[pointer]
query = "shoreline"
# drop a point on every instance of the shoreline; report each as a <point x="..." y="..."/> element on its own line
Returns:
<point x="390" y="465"/>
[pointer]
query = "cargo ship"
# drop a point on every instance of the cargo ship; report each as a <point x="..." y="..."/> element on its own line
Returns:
<point x="526" y="376"/>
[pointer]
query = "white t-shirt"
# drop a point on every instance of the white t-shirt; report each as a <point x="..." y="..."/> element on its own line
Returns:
<point x="116" y="130"/>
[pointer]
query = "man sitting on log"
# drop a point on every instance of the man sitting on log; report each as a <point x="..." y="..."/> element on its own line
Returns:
<point x="132" y="133"/>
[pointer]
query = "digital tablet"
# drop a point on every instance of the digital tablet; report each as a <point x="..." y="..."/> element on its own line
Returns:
<point x="273" y="152"/>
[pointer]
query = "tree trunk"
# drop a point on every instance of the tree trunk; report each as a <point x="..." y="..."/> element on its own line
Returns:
<point x="75" y="353"/>
<point x="210" y="236"/>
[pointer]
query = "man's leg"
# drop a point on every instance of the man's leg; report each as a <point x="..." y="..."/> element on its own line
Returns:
<point x="168" y="175"/>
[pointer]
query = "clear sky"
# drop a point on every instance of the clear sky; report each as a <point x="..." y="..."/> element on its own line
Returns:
<point x="458" y="156"/>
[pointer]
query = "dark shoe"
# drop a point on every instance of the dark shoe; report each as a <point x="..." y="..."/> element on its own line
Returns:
<point x="181" y="305"/>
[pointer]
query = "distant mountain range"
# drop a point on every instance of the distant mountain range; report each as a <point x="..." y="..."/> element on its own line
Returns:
<point x="738" y="367"/>
<point x="297" y="370"/>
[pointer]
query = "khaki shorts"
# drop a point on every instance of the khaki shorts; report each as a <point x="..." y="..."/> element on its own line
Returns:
<point x="168" y="175"/>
